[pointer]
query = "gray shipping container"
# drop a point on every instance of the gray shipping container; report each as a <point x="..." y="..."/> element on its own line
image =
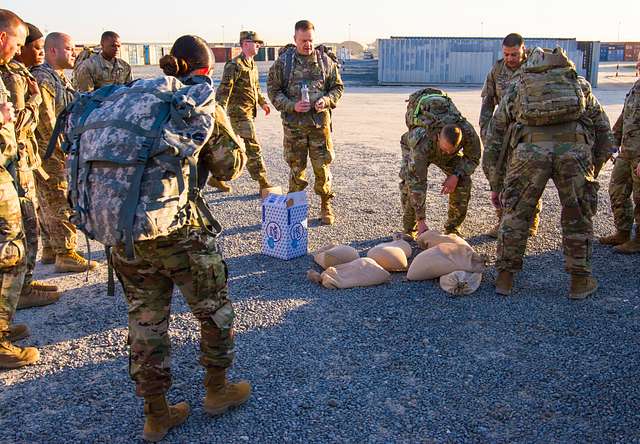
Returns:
<point x="451" y="60"/>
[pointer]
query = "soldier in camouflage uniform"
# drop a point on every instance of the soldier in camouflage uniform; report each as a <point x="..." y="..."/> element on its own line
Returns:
<point x="26" y="101"/>
<point x="624" y="181"/>
<point x="57" y="93"/>
<point x="569" y="153"/>
<point x="456" y="150"/>
<point x="12" y="244"/>
<point x="503" y="72"/>
<point x="190" y="259"/>
<point x="104" y="68"/>
<point x="239" y="94"/>
<point x="307" y="125"/>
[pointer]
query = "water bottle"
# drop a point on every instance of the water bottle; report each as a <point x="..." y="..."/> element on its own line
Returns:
<point x="304" y="92"/>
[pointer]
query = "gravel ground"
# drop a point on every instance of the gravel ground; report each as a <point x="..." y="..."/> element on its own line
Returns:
<point x="400" y="362"/>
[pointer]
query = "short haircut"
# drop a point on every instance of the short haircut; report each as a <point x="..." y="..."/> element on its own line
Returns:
<point x="109" y="35"/>
<point x="304" y="25"/>
<point x="452" y="134"/>
<point x="54" y="39"/>
<point x="8" y="20"/>
<point x="513" y="40"/>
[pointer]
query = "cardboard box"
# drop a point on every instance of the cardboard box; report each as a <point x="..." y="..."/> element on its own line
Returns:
<point x="284" y="225"/>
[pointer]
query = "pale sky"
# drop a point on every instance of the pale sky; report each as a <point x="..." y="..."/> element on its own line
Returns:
<point x="335" y="20"/>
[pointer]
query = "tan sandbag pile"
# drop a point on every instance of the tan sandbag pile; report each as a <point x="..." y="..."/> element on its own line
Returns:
<point x="362" y="272"/>
<point x="445" y="258"/>
<point x="460" y="283"/>
<point x="392" y="256"/>
<point x="431" y="238"/>
<point x="332" y="255"/>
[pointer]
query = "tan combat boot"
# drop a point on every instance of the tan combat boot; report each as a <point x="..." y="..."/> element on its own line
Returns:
<point x="12" y="356"/>
<point x="617" y="238"/>
<point x="160" y="417"/>
<point x="18" y="332"/>
<point x="39" y="285"/>
<point x="582" y="286"/>
<point x="219" y="184"/>
<point x="48" y="256"/>
<point x="504" y="283"/>
<point x="494" y="231"/>
<point x="221" y="394"/>
<point x="631" y="246"/>
<point x="326" y="212"/>
<point x="72" y="262"/>
<point x="34" y="297"/>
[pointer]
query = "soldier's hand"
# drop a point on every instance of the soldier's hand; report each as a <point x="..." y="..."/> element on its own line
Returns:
<point x="449" y="185"/>
<point x="638" y="170"/>
<point x="495" y="200"/>
<point x="7" y="112"/>
<point x="32" y="85"/>
<point x="302" y="107"/>
<point x="422" y="226"/>
<point x="320" y="104"/>
<point x="267" y="109"/>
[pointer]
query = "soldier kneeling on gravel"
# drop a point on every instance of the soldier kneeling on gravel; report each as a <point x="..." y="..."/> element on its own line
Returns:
<point x="149" y="179"/>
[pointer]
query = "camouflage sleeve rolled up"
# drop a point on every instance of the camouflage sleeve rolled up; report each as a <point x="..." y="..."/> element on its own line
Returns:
<point x="275" y="89"/>
<point x="335" y="87"/>
<point x="261" y="99"/>
<point x="226" y="84"/>
<point x="223" y="155"/>
<point x="82" y="78"/>
<point x="488" y="102"/>
<point x="494" y="159"/>
<point x="471" y="150"/>
<point x="418" y="144"/>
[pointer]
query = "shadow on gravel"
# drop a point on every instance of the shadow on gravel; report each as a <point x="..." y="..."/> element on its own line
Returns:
<point x="226" y="197"/>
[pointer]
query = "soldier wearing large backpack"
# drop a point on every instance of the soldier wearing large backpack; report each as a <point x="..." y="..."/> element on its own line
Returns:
<point x="503" y="72"/>
<point x="136" y="167"/>
<point x="625" y="180"/>
<point x="26" y="99"/>
<point x="57" y="93"/>
<point x="12" y="244"/>
<point x="542" y="117"/>
<point x="438" y="135"/>
<point x="304" y="85"/>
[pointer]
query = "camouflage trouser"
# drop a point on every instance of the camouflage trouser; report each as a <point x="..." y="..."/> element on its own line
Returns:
<point x="458" y="203"/>
<point x="531" y="166"/>
<point x="623" y="184"/>
<point x="246" y="129"/>
<point x="189" y="259"/>
<point x="300" y="142"/>
<point x="52" y="197"/>
<point x="12" y="255"/>
<point x="30" y="209"/>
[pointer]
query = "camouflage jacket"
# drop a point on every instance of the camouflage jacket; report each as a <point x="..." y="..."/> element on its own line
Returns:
<point x="627" y="127"/>
<point x="96" y="72"/>
<point x="239" y="91"/>
<point x="420" y="149"/>
<point x="504" y="134"/>
<point x="15" y="76"/>
<point x="57" y="93"/>
<point x="8" y="144"/>
<point x="223" y="155"/>
<point x="322" y="83"/>
<point x="495" y="86"/>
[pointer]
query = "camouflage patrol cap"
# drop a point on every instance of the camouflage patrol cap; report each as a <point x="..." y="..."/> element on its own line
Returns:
<point x="250" y="35"/>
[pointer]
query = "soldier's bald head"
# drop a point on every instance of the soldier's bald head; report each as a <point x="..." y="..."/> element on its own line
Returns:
<point x="59" y="50"/>
<point x="56" y="40"/>
<point x="13" y="33"/>
<point x="9" y="21"/>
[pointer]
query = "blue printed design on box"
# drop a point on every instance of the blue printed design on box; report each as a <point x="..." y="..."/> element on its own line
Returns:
<point x="284" y="225"/>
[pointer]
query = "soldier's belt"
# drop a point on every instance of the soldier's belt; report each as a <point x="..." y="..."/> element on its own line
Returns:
<point x="548" y="137"/>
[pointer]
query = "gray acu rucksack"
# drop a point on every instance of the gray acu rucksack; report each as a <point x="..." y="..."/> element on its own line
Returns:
<point x="132" y="158"/>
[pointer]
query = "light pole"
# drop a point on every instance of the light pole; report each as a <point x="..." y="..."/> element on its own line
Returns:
<point x="349" y="31"/>
<point x="222" y="35"/>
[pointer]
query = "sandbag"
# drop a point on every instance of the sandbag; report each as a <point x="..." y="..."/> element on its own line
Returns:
<point x="443" y="259"/>
<point x="363" y="272"/>
<point x="389" y="258"/>
<point x="460" y="283"/>
<point x="400" y="243"/>
<point x="431" y="238"/>
<point x="332" y="255"/>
